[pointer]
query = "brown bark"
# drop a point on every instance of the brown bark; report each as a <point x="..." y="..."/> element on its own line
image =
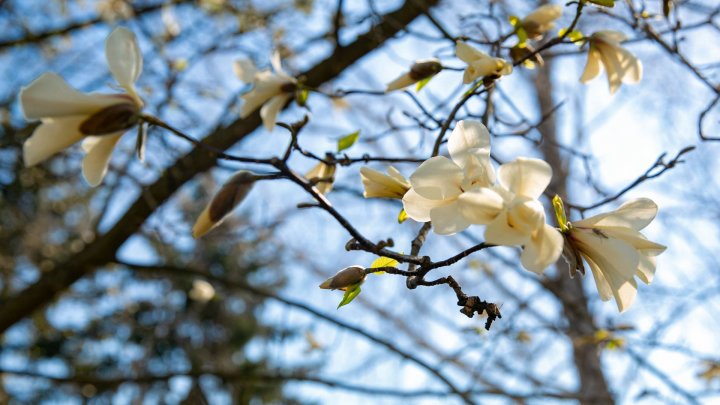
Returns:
<point x="198" y="160"/>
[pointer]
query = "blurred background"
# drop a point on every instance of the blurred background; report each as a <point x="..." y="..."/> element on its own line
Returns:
<point x="105" y="297"/>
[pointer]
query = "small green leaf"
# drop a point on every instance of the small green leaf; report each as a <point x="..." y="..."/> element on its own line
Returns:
<point x="402" y="216"/>
<point x="301" y="97"/>
<point x="514" y="20"/>
<point x="604" y="3"/>
<point x="347" y="140"/>
<point x="522" y="35"/>
<point x="350" y="295"/>
<point x="422" y="83"/>
<point x="574" y="35"/>
<point x="383" y="261"/>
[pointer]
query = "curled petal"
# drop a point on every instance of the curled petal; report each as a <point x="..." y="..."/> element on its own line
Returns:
<point x="480" y="205"/>
<point x="98" y="151"/>
<point x="467" y="53"/>
<point x="245" y="70"/>
<point x="270" y="110"/>
<point x="610" y="36"/>
<point x="543" y="249"/>
<point x="608" y="284"/>
<point x="447" y="219"/>
<point x="635" y="214"/>
<point x="51" y="137"/>
<point x="467" y="137"/>
<point x="592" y="66"/>
<point x="377" y="184"/>
<point x="50" y="96"/>
<point x="438" y="178"/>
<point x="124" y="58"/>
<point x="499" y="232"/>
<point x="418" y="207"/>
<point x="324" y="175"/>
<point x="526" y="177"/>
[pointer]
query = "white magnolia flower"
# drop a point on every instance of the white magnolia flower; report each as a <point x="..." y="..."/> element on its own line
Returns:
<point x="541" y="20"/>
<point x="420" y="70"/>
<point x="231" y="194"/>
<point x="440" y="185"/>
<point x="323" y="174"/>
<point x="381" y="185"/>
<point x="621" y="65"/>
<point x="615" y="250"/>
<point x="68" y="116"/>
<point x="270" y="90"/>
<point x="480" y="64"/>
<point x="519" y="218"/>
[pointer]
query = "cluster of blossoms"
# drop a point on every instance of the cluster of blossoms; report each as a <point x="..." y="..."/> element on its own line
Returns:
<point x="453" y="193"/>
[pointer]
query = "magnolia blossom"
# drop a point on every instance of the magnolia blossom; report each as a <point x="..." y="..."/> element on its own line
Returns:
<point x="67" y="116"/>
<point x="202" y="291"/>
<point x="517" y="217"/>
<point x="541" y="20"/>
<point x="345" y="278"/>
<point x="231" y="194"/>
<point x="420" y="70"/>
<point x="621" y="65"/>
<point x="270" y="90"/>
<point x="480" y="64"/>
<point x="615" y="250"/>
<point x="440" y="185"/>
<point x="323" y="174"/>
<point x="381" y="185"/>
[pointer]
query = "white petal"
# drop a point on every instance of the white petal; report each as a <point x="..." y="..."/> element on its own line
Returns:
<point x="379" y="185"/>
<point x="124" y="58"/>
<point x="447" y="220"/>
<point x="498" y="232"/>
<point x="480" y="205"/>
<point x="634" y="239"/>
<point x="51" y="137"/>
<point x="50" y="96"/>
<point x="601" y="283"/>
<point x="99" y="149"/>
<point x="610" y="284"/>
<point x="437" y="178"/>
<point x="245" y="70"/>
<point x="418" y="207"/>
<point x="400" y="83"/>
<point x="592" y="66"/>
<point x="467" y="137"/>
<point x="609" y="36"/>
<point x="467" y="53"/>
<point x="270" y="110"/>
<point x="646" y="269"/>
<point x="635" y="214"/>
<point x="543" y="249"/>
<point x="526" y="177"/>
<point x="276" y="62"/>
<point x="203" y="224"/>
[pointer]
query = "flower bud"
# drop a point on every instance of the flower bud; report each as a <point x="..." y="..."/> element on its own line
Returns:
<point x="323" y="176"/>
<point x="379" y="185"/>
<point x="110" y="120"/>
<point x="232" y="193"/>
<point x="345" y="278"/>
<point x="423" y="69"/>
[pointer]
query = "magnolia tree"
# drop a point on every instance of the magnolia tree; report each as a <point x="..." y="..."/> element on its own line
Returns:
<point x="464" y="179"/>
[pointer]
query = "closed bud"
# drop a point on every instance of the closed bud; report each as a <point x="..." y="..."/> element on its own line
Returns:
<point x="345" y="278"/>
<point x="423" y="69"/>
<point x="231" y="194"/>
<point x="110" y="120"/>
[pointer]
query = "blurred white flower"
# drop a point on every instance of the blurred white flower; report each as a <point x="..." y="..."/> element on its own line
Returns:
<point x="68" y="116"/>
<point x="230" y="195"/>
<point x="621" y="65"/>
<point x="440" y="185"/>
<point x="201" y="291"/>
<point x="270" y="90"/>
<point x="420" y="70"/>
<point x="541" y="20"/>
<point x="615" y="250"/>
<point x="519" y="218"/>
<point x="345" y="278"/>
<point x="323" y="174"/>
<point x="379" y="185"/>
<point x="480" y="64"/>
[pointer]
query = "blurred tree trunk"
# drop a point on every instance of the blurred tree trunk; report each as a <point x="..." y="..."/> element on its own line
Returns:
<point x="569" y="291"/>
